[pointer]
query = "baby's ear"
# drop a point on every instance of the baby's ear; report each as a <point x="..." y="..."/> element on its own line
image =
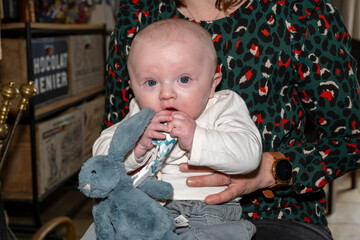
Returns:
<point x="129" y="82"/>
<point x="215" y="81"/>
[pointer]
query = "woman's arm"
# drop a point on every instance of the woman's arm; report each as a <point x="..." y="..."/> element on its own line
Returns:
<point x="329" y="93"/>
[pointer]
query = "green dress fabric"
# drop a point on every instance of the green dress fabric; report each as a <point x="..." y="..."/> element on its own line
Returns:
<point x="290" y="61"/>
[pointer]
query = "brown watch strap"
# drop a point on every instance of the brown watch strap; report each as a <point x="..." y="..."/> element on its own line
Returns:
<point x="268" y="193"/>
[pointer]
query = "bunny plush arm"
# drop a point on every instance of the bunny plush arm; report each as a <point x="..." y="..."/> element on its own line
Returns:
<point x="157" y="189"/>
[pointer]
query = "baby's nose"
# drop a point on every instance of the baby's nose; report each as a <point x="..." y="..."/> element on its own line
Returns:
<point x="167" y="92"/>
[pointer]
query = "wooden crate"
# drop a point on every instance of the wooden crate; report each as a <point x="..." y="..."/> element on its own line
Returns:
<point x="59" y="155"/>
<point x="86" y="62"/>
<point x="16" y="175"/>
<point x="13" y="67"/>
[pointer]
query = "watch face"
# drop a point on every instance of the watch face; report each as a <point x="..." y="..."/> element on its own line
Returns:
<point x="283" y="170"/>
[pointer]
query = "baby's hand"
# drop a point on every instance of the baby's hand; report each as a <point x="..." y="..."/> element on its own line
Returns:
<point x="153" y="131"/>
<point x="183" y="128"/>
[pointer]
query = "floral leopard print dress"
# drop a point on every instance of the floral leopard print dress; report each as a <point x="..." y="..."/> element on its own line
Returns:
<point x="290" y="62"/>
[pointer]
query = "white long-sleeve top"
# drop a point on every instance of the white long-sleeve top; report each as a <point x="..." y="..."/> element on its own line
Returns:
<point x="225" y="139"/>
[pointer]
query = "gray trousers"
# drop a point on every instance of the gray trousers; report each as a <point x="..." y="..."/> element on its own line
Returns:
<point x="211" y="222"/>
<point x="206" y="222"/>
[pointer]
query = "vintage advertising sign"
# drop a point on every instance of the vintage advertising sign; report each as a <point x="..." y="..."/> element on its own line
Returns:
<point x="50" y="68"/>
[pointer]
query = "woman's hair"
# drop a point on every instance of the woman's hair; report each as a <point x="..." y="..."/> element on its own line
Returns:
<point x="222" y="5"/>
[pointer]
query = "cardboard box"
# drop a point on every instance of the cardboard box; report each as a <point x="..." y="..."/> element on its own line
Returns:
<point x="93" y="112"/>
<point x="86" y="62"/>
<point x="60" y="148"/>
<point x="50" y="67"/>
<point x="59" y="155"/>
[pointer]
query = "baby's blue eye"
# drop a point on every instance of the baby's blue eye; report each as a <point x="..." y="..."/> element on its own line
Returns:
<point x="184" y="79"/>
<point x="151" y="83"/>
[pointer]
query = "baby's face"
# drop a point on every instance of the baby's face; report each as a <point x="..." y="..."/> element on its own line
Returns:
<point x="176" y="76"/>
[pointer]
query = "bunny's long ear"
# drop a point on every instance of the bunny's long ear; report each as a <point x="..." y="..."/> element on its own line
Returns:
<point x="129" y="131"/>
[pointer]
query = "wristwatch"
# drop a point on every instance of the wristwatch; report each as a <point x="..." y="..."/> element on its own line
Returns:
<point x="281" y="171"/>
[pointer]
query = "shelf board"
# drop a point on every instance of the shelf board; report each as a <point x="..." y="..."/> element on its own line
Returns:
<point x="65" y="103"/>
<point x="52" y="26"/>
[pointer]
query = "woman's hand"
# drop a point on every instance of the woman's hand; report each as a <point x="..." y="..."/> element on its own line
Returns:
<point x="239" y="185"/>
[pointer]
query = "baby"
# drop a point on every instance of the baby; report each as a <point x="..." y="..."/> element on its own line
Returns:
<point x="172" y="67"/>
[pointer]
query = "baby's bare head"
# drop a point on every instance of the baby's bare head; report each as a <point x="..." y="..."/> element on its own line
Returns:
<point x="170" y="30"/>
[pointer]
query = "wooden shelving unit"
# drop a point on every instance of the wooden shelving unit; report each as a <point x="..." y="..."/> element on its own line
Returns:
<point x="28" y="31"/>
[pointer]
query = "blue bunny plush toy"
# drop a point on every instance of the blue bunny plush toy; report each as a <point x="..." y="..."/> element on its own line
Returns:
<point x="120" y="210"/>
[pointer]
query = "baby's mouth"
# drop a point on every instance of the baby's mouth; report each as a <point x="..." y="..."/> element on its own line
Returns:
<point x="171" y="109"/>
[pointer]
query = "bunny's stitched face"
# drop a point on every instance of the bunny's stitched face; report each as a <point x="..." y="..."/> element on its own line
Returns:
<point x="98" y="177"/>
